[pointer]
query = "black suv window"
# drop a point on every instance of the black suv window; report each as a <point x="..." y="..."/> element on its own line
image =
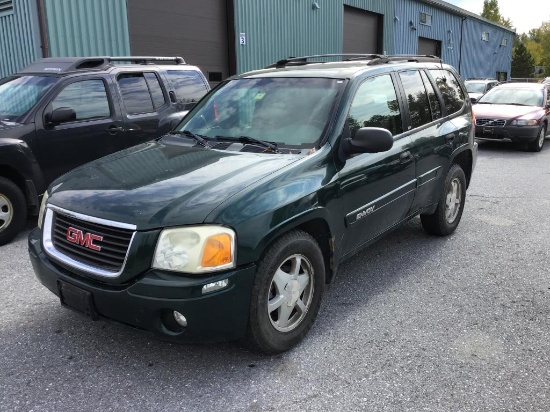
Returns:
<point x="450" y="89"/>
<point x="375" y="105"/>
<point x="19" y="95"/>
<point x="188" y="85"/>
<point x="88" y="98"/>
<point x="141" y="92"/>
<point x="435" y="106"/>
<point x="417" y="98"/>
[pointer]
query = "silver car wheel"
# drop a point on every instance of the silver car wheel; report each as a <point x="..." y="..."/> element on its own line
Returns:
<point x="290" y="293"/>
<point x="6" y="212"/>
<point x="542" y="135"/>
<point x="453" y="200"/>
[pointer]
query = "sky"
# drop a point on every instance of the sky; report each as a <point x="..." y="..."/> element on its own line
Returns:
<point x="525" y="15"/>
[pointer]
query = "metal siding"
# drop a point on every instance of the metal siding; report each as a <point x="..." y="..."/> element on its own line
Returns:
<point x="19" y="39"/>
<point x="477" y="59"/>
<point x="277" y="29"/>
<point x="87" y="27"/>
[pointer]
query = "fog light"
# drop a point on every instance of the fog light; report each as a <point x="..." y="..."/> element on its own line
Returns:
<point x="211" y="287"/>
<point x="180" y="319"/>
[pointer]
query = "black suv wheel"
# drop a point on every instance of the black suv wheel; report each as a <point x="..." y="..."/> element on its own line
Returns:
<point x="13" y="210"/>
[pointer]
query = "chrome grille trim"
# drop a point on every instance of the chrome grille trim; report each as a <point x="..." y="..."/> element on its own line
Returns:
<point x="52" y="251"/>
<point x="490" y="122"/>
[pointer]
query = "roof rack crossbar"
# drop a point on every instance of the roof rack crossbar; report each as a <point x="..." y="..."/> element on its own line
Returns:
<point x="147" y="59"/>
<point x="412" y="58"/>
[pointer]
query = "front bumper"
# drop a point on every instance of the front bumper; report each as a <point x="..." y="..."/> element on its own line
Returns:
<point x="148" y="303"/>
<point x="516" y="134"/>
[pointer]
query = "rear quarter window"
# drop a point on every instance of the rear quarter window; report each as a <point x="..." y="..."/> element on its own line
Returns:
<point x="448" y="84"/>
<point x="188" y="85"/>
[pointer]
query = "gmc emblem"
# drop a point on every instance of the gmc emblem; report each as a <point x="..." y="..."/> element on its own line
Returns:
<point x="87" y="240"/>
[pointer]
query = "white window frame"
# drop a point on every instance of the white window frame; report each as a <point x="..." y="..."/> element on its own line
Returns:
<point x="427" y="19"/>
<point x="504" y="42"/>
<point x="485" y="36"/>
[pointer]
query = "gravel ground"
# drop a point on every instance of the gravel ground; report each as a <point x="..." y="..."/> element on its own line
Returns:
<point x="413" y="323"/>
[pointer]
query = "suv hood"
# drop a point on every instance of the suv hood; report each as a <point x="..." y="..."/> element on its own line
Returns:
<point x="504" y="111"/>
<point x="156" y="185"/>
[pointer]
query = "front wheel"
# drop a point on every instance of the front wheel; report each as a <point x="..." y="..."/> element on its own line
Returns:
<point x="287" y="293"/>
<point x="13" y="210"/>
<point x="537" y="144"/>
<point x="450" y="206"/>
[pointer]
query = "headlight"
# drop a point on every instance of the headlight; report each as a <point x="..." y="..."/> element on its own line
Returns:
<point x="524" y="122"/>
<point x="196" y="249"/>
<point x="42" y="209"/>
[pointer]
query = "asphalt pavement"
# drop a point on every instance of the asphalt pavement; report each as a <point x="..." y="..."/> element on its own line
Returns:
<point x="413" y="323"/>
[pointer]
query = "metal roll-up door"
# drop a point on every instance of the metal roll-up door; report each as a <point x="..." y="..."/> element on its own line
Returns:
<point x="197" y="30"/>
<point x="362" y="31"/>
<point x="429" y="46"/>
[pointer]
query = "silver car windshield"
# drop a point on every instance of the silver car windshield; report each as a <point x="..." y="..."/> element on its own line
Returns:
<point x="519" y="96"/>
<point x="290" y="112"/>
<point x="19" y="95"/>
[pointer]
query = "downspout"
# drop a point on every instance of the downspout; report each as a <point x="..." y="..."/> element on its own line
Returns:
<point x="42" y="25"/>
<point x="460" y="47"/>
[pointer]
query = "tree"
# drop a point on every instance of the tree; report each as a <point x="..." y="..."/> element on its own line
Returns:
<point x="522" y="61"/>
<point x="491" y="12"/>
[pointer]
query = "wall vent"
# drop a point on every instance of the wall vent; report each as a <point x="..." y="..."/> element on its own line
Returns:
<point x="6" y="7"/>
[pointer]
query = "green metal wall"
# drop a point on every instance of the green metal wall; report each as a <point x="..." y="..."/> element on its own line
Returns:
<point x="87" y="27"/>
<point x="276" y="29"/>
<point x="19" y="40"/>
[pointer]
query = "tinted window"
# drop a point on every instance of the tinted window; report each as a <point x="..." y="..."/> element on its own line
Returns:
<point x="417" y="98"/>
<point x="453" y="97"/>
<point x="87" y="98"/>
<point x="188" y="85"/>
<point x="135" y="93"/>
<point x="155" y="89"/>
<point x="435" y="106"/>
<point x="375" y="105"/>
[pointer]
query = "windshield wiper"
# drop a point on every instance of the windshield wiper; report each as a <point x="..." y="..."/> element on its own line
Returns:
<point x="202" y="141"/>
<point x="247" y="139"/>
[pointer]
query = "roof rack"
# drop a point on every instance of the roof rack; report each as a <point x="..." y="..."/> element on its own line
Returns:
<point x="373" y="59"/>
<point x="61" y="65"/>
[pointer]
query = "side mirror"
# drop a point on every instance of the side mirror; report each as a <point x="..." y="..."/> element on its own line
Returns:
<point x="368" y="140"/>
<point x="62" y="115"/>
<point x="473" y="100"/>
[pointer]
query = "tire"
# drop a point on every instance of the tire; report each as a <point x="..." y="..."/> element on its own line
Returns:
<point x="280" y="317"/>
<point x="537" y="144"/>
<point x="450" y="206"/>
<point x="13" y="210"/>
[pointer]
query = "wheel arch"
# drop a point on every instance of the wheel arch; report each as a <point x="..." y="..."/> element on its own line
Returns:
<point x="465" y="160"/>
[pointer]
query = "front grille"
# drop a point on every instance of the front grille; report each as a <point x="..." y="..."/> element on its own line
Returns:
<point x="490" y="122"/>
<point x="113" y="245"/>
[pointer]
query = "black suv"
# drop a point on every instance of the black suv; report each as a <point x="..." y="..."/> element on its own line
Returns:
<point x="231" y="225"/>
<point x="59" y="113"/>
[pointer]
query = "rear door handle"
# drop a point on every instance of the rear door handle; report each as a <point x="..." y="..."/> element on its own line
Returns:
<point x="114" y="129"/>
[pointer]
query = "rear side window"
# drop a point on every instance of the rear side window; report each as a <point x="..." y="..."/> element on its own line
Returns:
<point x="417" y="98"/>
<point x="141" y="92"/>
<point x="453" y="97"/>
<point x="375" y="105"/>
<point x="189" y="86"/>
<point x="87" y="98"/>
<point x="435" y="106"/>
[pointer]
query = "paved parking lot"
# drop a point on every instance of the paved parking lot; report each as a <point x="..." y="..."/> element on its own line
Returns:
<point x="413" y="323"/>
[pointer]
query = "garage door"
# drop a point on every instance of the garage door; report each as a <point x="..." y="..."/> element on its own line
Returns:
<point x="197" y="30"/>
<point x="429" y="46"/>
<point x="362" y="31"/>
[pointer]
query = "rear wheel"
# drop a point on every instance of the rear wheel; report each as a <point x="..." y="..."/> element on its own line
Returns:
<point x="13" y="210"/>
<point x="287" y="293"/>
<point x="537" y="144"/>
<point x="450" y="206"/>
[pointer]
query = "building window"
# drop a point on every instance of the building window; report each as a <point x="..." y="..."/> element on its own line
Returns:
<point x="485" y="36"/>
<point x="504" y="42"/>
<point x="6" y="7"/>
<point x="425" y="19"/>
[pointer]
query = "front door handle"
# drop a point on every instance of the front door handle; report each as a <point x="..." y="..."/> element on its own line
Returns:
<point x="114" y="129"/>
<point x="449" y="137"/>
<point x="405" y="157"/>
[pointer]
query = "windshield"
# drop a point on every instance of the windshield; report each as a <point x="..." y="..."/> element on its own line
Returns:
<point x="287" y="111"/>
<point x="519" y="96"/>
<point x="475" y="87"/>
<point x="19" y="95"/>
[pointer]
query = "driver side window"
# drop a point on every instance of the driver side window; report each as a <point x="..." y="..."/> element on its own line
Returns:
<point x="375" y="105"/>
<point x="87" y="98"/>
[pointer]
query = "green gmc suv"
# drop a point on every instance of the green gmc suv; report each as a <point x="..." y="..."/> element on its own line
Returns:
<point x="230" y="226"/>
